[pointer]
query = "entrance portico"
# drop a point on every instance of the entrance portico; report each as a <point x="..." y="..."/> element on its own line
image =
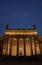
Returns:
<point x="21" y="43"/>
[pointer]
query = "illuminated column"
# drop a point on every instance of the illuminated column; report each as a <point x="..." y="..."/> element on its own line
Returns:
<point x="9" y="46"/>
<point x="28" y="47"/>
<point x="40" y="43"/>
<point x="33" y="46"/>
<point x="37" y="47"/>
<point x="4" y="47"/>
<point x="24" y="48"/>
<point x="17" y="45"/>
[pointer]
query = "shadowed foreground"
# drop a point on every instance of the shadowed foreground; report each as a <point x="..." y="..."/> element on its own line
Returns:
<point x="21" y="60"/>
<point x="21" y="63"/>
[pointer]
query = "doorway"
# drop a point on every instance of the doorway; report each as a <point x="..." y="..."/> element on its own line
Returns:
<point x="20" y="51"/>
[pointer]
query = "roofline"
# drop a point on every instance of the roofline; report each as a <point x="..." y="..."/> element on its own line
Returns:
<point x="20" y="29"/>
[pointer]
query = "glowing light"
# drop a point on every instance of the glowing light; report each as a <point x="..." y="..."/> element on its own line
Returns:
<point x="22" y="32"/>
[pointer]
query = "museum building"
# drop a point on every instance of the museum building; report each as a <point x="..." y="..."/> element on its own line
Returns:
<point x="21" y="42"/>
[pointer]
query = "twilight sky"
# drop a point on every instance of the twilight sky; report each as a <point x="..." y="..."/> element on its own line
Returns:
<point x="20" y="14"/>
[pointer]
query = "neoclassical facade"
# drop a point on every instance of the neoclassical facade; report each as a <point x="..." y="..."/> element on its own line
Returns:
<point x="21" y="42"/>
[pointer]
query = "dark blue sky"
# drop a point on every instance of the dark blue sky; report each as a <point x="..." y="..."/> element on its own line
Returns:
<point x="20" y="14"/>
